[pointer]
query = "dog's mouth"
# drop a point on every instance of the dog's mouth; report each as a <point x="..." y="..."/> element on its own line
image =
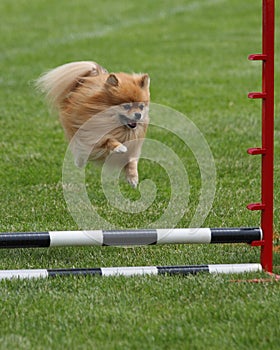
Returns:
<point x="131" y="124"/>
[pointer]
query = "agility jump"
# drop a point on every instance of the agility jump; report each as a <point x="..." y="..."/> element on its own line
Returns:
<point x="259" y="237"/>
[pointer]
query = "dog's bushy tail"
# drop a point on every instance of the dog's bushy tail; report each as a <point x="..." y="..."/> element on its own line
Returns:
<point x="57" y="83"/>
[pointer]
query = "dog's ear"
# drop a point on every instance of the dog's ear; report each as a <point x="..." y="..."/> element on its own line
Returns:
<point x="112" y="80"/>
<point x="144" y="81"/>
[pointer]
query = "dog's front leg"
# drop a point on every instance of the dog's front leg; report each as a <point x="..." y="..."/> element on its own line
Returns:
<point x="131" y="172"/>
<point x="114" y="146"/>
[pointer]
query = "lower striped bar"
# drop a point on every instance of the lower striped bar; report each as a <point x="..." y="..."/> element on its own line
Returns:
<point x="130" y="271"/>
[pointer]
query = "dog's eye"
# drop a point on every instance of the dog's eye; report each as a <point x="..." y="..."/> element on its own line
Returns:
<point x="141" y="107"/>
<point x="127" y="107"/>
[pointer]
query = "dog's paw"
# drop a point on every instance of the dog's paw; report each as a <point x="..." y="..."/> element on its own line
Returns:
<point x="120" y="149"/>
<point x="133" y="181"/>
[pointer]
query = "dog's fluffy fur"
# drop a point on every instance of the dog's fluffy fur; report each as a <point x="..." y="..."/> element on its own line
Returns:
<point x="106" y="112"/>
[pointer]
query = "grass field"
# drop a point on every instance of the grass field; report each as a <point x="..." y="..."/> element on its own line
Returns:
<point x="196" y="55"/>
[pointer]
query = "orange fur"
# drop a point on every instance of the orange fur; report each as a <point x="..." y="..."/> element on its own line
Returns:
<point x="107" y="113"/>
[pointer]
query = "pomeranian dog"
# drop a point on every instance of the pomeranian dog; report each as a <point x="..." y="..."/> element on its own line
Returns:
<point x="102" y="113"/>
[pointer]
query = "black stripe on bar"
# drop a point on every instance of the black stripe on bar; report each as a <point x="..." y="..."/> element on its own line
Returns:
<point x="129" y="237"/>
<point x="76" y="272"/>
<point x="182" y="270"/>
<point x="24" y="240"/>
<point x="235" y="235"/>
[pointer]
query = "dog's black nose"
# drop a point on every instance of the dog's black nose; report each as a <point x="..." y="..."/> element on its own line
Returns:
<point x="137" y="116"/>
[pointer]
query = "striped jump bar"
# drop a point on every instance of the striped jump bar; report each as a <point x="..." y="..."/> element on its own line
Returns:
<point x="130" y="271"/>
<point x="129" y="237"/>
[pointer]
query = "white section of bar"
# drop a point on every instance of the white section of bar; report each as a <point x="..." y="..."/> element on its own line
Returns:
<point x="75" y="238"/>
<point x="261" y="235"/>
<point x="21" y="274"/>
<point x="183" y="235"/>
<point x="234" y="268"/>
<point x="129" y="271"/>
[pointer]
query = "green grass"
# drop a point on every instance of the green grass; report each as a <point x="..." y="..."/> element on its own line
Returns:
<point x="196" y="55"/>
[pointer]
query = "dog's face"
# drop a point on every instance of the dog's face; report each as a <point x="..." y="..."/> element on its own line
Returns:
<point x="130" y="114"/>
<point x="131" y="95"/>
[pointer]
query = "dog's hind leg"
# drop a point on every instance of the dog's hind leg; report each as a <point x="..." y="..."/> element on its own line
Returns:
<point x="131" y="172"/>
